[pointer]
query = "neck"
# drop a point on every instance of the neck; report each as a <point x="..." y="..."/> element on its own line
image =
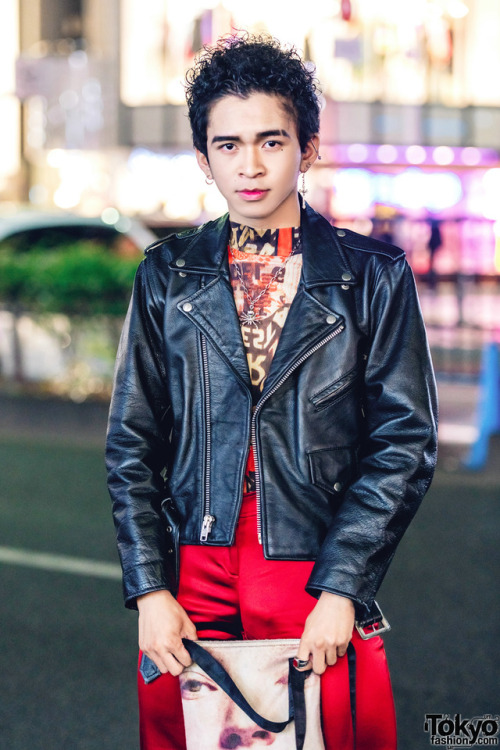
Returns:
<point x="287" y="215"/>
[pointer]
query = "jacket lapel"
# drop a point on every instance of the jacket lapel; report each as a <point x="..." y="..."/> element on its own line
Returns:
<point x="308" y="322"/>
<point x="212" y="307"/>
<point x="213" y="311"/>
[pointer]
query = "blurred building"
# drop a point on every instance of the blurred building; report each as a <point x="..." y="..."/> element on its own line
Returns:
<point x="91" y="98"/>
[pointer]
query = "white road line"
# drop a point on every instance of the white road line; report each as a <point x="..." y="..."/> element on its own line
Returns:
<point x="60" y="563"/>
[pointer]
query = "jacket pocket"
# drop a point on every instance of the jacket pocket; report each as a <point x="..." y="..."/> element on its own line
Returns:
<point x="332" y="469"/>
<point x="335" y="390"/>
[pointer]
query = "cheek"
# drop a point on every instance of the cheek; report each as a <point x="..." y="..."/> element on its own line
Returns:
<point x="204" y="720"/>
<point x="222" y="175"/>
<point x="293" y="170"/>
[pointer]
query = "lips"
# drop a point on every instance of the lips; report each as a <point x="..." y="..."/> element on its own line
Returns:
<point x="252" y="195"/>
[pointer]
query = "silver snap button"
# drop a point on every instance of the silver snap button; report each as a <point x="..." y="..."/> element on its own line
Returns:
<point x="331" y="319"/>
<point x="346" y="277"/>
<point x="187" y="306"/>
<point x="170" y="551"/>
<point x="340" y="233"/>
<point x="169" y="529"/>
<point x="337" y="486"/>
<point x="182" y="274"/>
<point x="345" y="286"/>
<point x="180" y="262"/>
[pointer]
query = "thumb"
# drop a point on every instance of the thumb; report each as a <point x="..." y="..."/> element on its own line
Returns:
<point x="189" y="631"/>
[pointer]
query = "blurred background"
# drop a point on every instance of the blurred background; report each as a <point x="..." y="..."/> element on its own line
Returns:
<point x="96" y="163"/>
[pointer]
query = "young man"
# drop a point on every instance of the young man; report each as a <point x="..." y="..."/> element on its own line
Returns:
<point x="273" y="424"/>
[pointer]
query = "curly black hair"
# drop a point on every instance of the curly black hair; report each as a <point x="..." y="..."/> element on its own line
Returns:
<point x="242" y="65"/>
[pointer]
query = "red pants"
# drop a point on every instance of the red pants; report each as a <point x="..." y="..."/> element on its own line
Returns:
<point x="266" y="599"/>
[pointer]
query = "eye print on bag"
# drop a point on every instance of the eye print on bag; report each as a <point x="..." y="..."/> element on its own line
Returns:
<point x="213" y="721"/>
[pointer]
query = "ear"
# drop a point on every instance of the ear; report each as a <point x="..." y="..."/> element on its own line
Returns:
<point x="203" y="163"/>
<point x="310" y="153"/>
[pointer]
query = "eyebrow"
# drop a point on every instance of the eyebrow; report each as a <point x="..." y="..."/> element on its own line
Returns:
<point x="258" y="137"/>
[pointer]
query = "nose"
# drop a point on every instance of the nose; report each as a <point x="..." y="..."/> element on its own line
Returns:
<point x="251" y="164"/>
<point x="234" y="737"/>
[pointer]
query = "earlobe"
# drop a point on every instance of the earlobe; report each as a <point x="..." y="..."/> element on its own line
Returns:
<point x="310" y="153"/>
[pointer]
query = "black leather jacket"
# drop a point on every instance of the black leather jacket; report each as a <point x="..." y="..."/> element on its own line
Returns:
<point x="344" y="433"/>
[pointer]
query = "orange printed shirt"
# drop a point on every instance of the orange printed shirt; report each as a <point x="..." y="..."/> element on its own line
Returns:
<point x="256" y="258"/>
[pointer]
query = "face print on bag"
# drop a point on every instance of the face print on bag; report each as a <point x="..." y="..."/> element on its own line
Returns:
<point x="214" y="722"/>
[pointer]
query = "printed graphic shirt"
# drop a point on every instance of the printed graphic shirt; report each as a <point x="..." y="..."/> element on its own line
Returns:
<point x="267" y="264"/>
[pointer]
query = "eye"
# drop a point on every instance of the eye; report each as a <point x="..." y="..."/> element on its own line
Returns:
<point x="192" y="688"/>
<point x="273" y="145"/>
<point x="227" y="147"/>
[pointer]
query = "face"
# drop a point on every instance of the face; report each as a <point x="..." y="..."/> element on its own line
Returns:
<point x="254" y="156"/>
<point x="214" y="722"/>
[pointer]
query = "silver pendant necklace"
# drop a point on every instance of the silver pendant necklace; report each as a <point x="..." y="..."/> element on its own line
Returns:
<point x="251" y="316"/>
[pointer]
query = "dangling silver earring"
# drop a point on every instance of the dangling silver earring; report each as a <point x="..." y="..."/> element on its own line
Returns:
<point x="209" y="179"/>
<point x="303" y="190"/>
<point x="317" y="152"/>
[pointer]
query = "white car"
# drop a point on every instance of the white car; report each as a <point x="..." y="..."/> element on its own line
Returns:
<point x="47" y="347"/>
<point x="27" y="228"/>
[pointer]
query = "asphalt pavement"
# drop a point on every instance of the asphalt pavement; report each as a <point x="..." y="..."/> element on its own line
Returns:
<point x="69" y="646"/>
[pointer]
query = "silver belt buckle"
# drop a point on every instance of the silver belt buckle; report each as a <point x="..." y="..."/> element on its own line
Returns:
<point x="370" y="630"/>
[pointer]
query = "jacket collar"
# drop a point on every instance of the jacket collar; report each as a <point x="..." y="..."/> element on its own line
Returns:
<point x="323" y="261"/>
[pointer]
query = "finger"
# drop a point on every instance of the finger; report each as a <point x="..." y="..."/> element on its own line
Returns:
<point x="170" y="658"/>
<point x="301" y="664"/>
<point x="331" y="657"/>
<point x="158" y="659"/>
<point x="182" y="656"/>
<point x="318" y="662"/>
<point x="190" y="632"/>
<point x="178" y="652"/>
<point x="302" y="660"/>
<point x="173" y="665"/>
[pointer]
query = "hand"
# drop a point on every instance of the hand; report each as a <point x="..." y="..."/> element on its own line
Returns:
<point x="327" y="631"/>
<point x="162" y="625"/>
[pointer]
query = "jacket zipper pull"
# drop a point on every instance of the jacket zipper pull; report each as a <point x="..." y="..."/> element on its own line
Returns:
<point x="208" y="522"/>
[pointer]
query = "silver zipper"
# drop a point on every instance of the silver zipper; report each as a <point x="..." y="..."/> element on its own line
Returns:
<point x="208" y="518"/>
<point x="208" y="522"/>
<point x="259" y="406"/>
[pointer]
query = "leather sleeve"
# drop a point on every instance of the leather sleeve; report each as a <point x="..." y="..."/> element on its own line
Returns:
<point x="137" y="447"/>
<point x="398" y="452"/>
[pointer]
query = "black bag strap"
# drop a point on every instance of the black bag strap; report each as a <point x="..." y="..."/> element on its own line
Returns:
<point x="216" y="671"/>
<point x="351" y="665"/>
<point x="296" y="698"/>
<point x="297" y="708"/>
